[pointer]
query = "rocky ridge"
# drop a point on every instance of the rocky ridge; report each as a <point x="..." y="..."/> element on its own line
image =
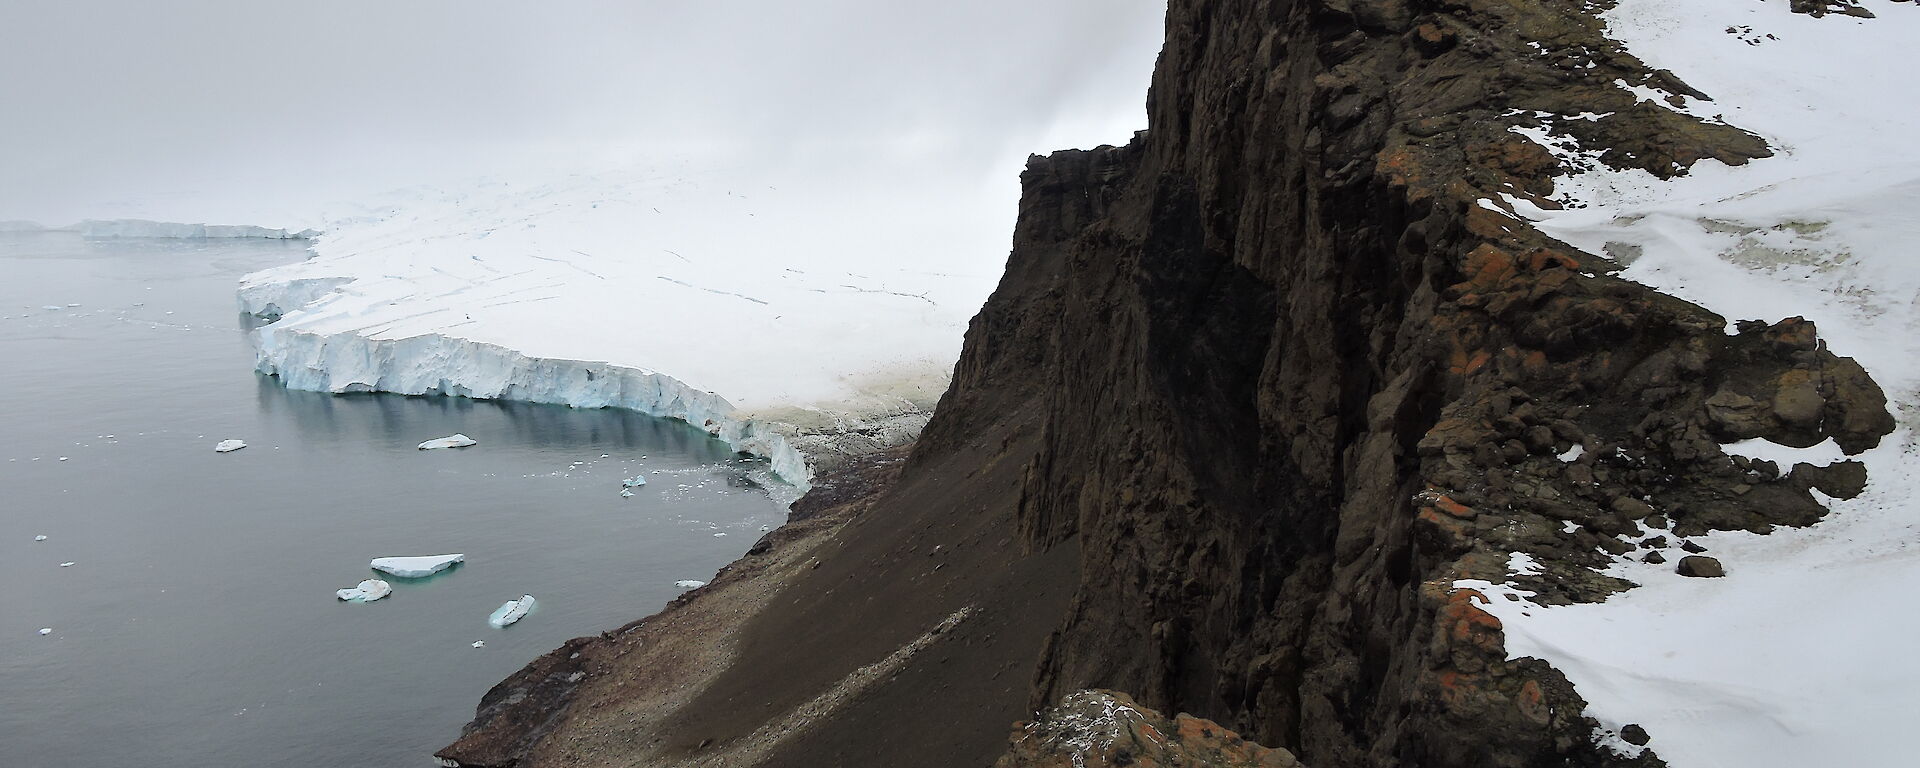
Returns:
<point x="1108" y="729"/>
<point x="1258" y="391"/>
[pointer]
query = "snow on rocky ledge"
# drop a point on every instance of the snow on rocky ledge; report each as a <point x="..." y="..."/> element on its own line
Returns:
<point x="1802" y="656"/>
<point x="794" y="323"/>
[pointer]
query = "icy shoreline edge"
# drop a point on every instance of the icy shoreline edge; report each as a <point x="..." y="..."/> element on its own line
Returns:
<point x="435" y="364"/>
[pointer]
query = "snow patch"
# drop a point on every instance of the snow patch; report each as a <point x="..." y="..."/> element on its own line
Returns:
<point x="1523" y="564"/>
<point x="1819" y="455"/>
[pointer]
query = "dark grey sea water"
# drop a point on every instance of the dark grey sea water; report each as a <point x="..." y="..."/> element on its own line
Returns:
<point x="197" y="625"/>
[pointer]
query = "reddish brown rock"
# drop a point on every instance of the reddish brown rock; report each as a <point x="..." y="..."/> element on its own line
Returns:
<point x="1105" y="729"/>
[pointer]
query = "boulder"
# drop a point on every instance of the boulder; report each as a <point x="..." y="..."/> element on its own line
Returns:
<point x="1700" y="566"/>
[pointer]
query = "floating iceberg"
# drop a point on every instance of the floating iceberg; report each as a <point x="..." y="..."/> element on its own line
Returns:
<point x="229" y="446"/>
<point x="511" y="611"/>
<point x="689" y="584"/>
<point x="46" y="630"/>
<point x="633" y="482"/>
<point x="626" y="494"/>
<point x="68" y="564"/>
<point x="479" y="643"/>
<point x="450" y="441"/>
<point x="416" y="567"/>
<point x="41" y="537"/>
<point x="366" y="591"/>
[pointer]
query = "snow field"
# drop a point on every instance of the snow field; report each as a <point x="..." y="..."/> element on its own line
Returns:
<point x="1800" y="655"/>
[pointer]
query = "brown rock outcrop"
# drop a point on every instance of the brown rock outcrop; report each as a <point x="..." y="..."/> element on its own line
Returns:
<point x="1108" y="729"/>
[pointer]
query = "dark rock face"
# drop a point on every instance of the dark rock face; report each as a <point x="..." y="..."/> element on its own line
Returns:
<point x="1107" y="729"/>
<point x="1255" y="392"/>
<point x="1297" y="378"/>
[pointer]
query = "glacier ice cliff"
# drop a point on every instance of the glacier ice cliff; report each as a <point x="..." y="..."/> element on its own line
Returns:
<point x="436" y="364"/>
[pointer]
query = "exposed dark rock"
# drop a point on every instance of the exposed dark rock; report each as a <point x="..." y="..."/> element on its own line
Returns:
<point x="1635" y="735"/>
<point x="1106" y="729"/>
<point x="1700" y="566"/>
<point x="1841" y="480"/>
<point x="1255" y="392"/>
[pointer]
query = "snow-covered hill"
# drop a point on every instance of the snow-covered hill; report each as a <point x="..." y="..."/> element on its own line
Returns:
<point x="1801" y="655"/>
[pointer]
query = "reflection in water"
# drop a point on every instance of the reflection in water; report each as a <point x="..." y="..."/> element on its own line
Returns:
<point x="363" y="417"/>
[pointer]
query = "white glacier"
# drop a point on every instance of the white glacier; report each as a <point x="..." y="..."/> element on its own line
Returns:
<point x="511" y="611"/>
<point x="416" y="567"/>
<point x="114" y="228"/>
<point x="365" y="592"/>
<point x="747" y="306"/>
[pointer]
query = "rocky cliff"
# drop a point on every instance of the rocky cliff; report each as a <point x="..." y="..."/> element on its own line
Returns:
<point x="1255" y="392"/>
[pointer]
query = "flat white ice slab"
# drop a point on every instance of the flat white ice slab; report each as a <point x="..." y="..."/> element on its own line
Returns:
<point x="511" y="611"/>
<point x="633" y="482"/>
<point x="416" y="567"/>
<point x="366" y="591"/>
<point x="229" y="446"/>
<point x="450" y="441"/>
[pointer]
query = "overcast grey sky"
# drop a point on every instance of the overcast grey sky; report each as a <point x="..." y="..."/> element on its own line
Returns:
<point x="111" y="100"/>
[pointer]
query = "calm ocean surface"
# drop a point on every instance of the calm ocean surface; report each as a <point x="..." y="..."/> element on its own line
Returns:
<point x="197" y="625"/>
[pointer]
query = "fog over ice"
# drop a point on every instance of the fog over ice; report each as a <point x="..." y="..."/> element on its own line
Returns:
<point x="204" y="109"/>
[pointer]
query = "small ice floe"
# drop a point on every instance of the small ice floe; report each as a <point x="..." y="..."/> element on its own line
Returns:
<point x="689" y="584"/>
<point x="450" y="441"/>
<point x="633" y="482"/>
<point x="479" y="643"/>
<point x="718" y="535"/>
<point x="416" y="567"/>
<point x="626" y="494"/>
<point x="46" y="630"/>
<point x="365" y="592"/>
<point x="229" y="446"/>
<point x="63" y="458"/>
<point x="41" y="537"/>
<point x="67" y="564"/>
<point x="53" y="307"/>
<point x="511" y="611"/>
